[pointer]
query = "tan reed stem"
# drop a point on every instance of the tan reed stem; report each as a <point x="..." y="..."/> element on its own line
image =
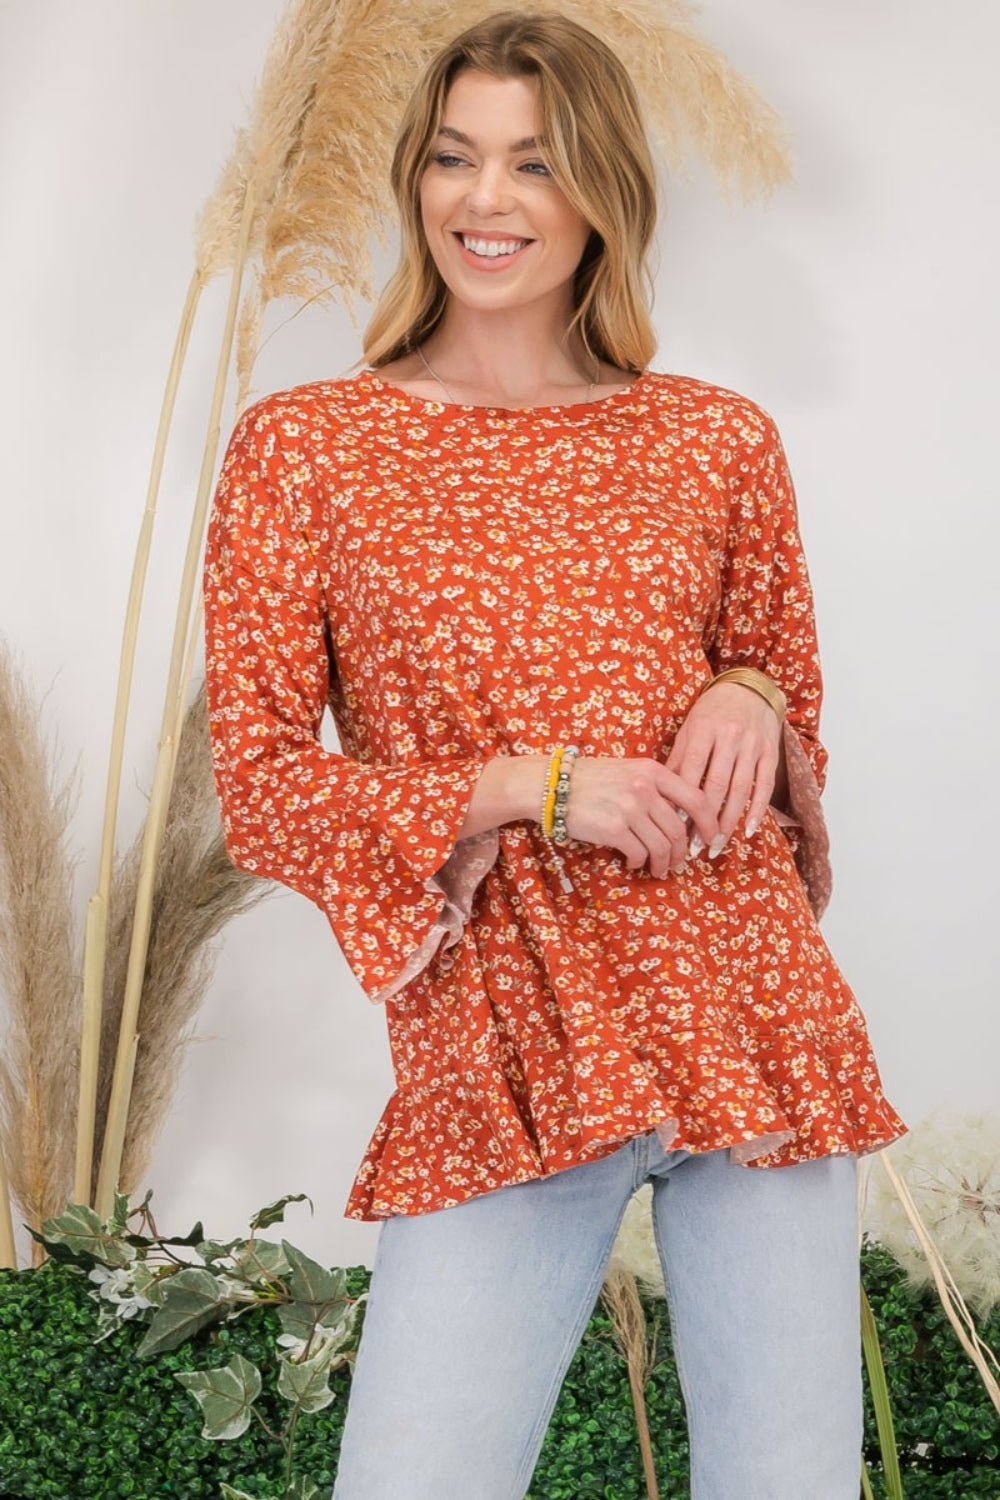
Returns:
<point x="94" y="948"/>
<point x="8" y="1253"/>
<point x="95" y="938"/>
<point x="121" y="1086"/>
<point x="952" y="1301"/>
<point x="628" y="1317"/>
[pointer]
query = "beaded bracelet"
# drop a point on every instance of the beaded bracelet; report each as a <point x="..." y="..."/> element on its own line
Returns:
<point x="757" y="682"/>
<point x="554" y="800"/>
<point x="569" y="755"/>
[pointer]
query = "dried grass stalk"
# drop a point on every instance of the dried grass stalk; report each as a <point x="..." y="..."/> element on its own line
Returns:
<point x="198" y="890"/>
<point x="620" y="1296"/>
<point x="8" y="1250"/>
<point x="97" y="910"/>
<point x="38" y="967"/>
<point x="958" y="1314"/>
<point x="171" y="724"/>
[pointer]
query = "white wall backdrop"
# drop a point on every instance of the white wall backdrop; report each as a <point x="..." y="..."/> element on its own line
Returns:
<point x="859" y="308"/>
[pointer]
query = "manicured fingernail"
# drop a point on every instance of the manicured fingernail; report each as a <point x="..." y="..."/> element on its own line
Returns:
<point x="752" y="827"/>
<point x="684" y="815"/>
<point x="717" y="845"/>
<point x="695" y="847"/>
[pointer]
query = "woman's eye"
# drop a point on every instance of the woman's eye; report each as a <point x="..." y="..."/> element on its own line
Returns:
<point x="448" y="159"/>
<point x="537" y="167"/>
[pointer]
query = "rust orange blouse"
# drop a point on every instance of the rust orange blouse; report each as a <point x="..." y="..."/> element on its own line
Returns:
<point x="462" y="582"/>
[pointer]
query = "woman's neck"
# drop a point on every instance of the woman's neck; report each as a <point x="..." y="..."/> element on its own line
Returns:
<point x="518" y="360"/>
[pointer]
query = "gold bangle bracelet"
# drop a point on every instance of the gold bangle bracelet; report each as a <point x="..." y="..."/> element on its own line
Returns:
<point x="757" y="682"/>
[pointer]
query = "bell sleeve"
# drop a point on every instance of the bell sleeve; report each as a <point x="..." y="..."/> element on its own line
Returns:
<point x="375" y="846"/>
<point x="767" y="621"/>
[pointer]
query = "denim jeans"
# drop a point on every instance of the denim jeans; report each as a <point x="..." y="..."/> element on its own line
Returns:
<point x="475" y="1312"/>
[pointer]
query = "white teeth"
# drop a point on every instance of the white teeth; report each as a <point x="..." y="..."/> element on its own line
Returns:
<point x="492" y="248"/>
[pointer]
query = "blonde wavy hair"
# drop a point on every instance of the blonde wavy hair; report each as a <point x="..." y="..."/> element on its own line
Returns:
<point x="597" y="149"/>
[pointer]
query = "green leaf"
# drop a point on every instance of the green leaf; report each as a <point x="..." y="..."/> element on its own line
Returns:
<point x="118" y="1221"/>
<point x="301" y="1488"/>
<point x="274" y="1213"/>
<point x="880" y="1400"/>
<point x="228" y="1493"/>
<point x="306" y="1383"/>
<point x="225" y="1396"/>
<point x="213" y="1250"/>
<point x="318" y="1296"/>
<point x="81" y="1238"/>
<point x="190" y="1300"/>
<point x="192" y="1239"/>
<point x="148" y="1282"/>
<point x="262" y="1260"/>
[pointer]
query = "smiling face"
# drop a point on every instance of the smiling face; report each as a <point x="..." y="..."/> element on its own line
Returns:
<point x="502" y="233"/>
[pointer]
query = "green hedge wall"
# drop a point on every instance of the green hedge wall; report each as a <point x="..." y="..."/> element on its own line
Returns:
<point x="81" y="1420"/>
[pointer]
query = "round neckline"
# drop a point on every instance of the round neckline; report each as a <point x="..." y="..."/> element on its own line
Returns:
<point x="562" y="407"/>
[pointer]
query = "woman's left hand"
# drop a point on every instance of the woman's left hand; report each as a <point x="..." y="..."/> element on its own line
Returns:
<point x="730" y="744"/>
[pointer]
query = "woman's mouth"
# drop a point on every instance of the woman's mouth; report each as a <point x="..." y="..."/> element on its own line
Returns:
<point x="491" y="254"/>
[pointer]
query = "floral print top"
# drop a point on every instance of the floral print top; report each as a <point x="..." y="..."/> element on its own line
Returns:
<point x="461" y="582"/>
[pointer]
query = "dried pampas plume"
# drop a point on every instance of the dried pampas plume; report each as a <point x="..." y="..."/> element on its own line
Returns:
<point x="635" y="1248"/>
<point x="265" y="148"/>
<point x="951" y="1164"/>
<point x="620" y="1296"/>
<point x="198" y="890"/>
<point x="317" y="149"/>
<point x="39" y="976"/>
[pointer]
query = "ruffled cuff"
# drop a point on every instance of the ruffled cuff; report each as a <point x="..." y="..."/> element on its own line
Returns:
<point x="811" y="841"/>
<point x="456" y="881"/>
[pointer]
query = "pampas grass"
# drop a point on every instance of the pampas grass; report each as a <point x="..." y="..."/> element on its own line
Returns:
<point x="635" y="1262"/>
<point x="198" y="890"/>
<point x="951" y="1165"/>
<point x="635" y="1247"/>
<point x="38" y="962"/>
<point x="620" y="1296"/>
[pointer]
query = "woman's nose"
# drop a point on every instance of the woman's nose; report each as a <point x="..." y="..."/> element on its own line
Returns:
<point x="489" y="192"/>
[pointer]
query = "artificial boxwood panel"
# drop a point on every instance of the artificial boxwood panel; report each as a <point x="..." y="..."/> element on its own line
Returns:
<point x="81" y="1420"/>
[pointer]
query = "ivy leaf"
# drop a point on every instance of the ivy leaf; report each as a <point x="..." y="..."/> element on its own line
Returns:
<point x="262" y="1260"/>
<point x="319" y="1296"/>
<point x="213" y="1250"/>
<point x="224" y="1395"/>
<point x="228" y="1493"/>
<point x="80" y="1237"/>
<point x="301" y="1488"/>
<point x="306" y="1383"/>
<point x="118" y="1222"/>
<point x="148" y="1282"/>
<point x="274" y="1213"/>
<point x="190" y="1300"/>
<point x="192" y="1239"/>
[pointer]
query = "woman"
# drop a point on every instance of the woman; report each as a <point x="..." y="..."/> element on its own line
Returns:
<point x="559" y="608"/>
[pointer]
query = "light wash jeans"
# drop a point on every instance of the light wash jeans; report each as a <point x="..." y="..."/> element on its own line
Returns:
<point x="475" y="1312"/>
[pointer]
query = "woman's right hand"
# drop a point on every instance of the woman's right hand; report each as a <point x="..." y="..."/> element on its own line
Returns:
<point x="639" y="808"/>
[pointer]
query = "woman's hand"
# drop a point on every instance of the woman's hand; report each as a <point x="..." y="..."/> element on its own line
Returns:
<point x="639" y="807"/>
<point x="730" y="746"/>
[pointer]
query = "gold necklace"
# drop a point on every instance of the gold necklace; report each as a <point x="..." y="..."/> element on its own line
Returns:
<point x="453" y="398"/>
